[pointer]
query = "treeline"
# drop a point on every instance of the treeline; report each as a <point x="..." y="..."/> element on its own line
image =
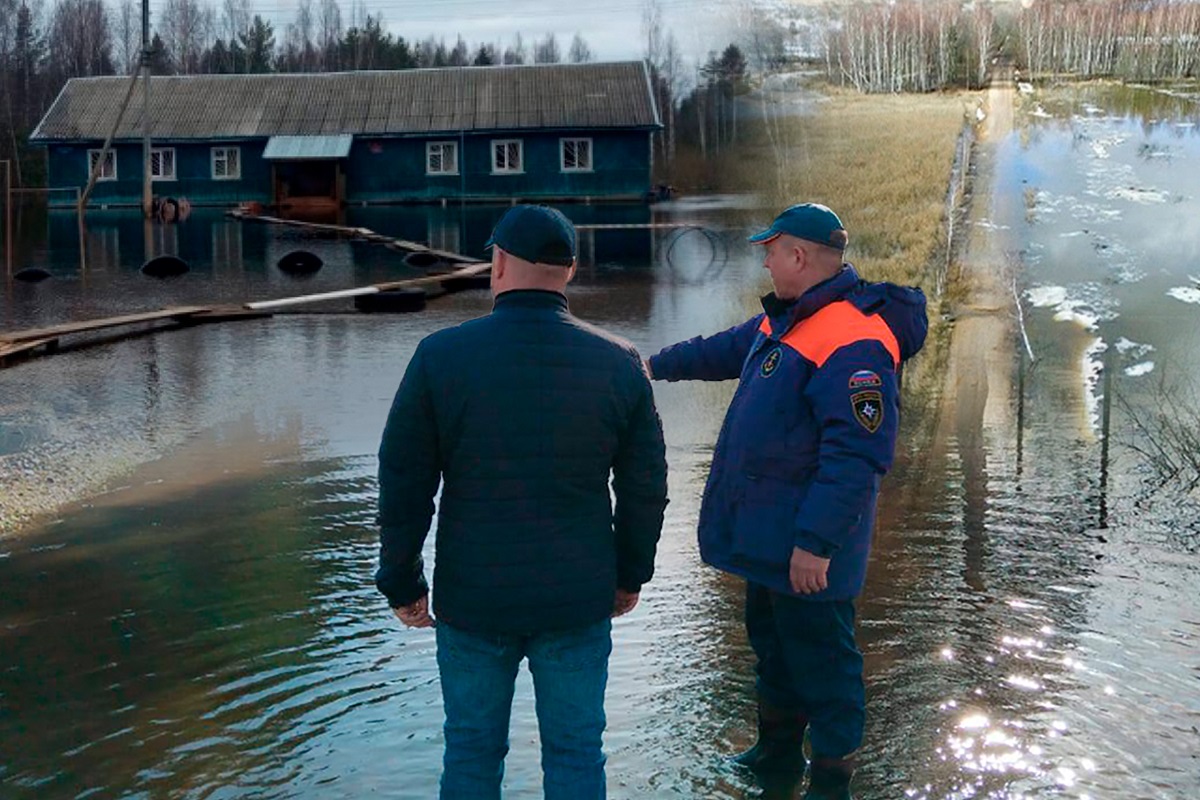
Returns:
<point x="919" y="45"/>
<point x="42" y="48"/>
<point x="1126" y="40"/>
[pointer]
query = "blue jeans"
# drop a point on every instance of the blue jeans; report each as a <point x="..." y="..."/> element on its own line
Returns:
<point x="478" y="671"/>
<point x="809" y="663"/>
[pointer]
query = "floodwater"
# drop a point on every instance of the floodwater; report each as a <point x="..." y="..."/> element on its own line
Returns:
<point x="205" y="625"/>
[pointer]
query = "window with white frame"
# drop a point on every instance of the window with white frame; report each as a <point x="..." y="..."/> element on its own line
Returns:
<point x="576" y="155"/>
<point x="162" y="164"/>
<point x="508" y="156"/>
<point x="441" y="158"/>
<point x="108" y="171"/>
<point x="226" y="163"/>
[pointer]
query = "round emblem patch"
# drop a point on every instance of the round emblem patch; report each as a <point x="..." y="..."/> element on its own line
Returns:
<point x="771" y="362"/>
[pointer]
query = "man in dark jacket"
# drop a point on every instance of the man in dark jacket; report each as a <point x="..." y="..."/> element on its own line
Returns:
<point x="523" y="416"/>
<point x="790" y="499"/>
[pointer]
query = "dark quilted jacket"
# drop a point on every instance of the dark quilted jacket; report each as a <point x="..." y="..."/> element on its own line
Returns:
<point x="523" y="415"/>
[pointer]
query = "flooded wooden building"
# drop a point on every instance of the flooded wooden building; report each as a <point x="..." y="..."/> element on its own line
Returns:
<point x="539" y="132"/>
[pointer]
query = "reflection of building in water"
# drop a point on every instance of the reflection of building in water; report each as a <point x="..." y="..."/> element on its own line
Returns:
<point x="103" y="247"/>
<point x="465" y="228"/>
<point x="227" y="246"/>
<point x="444" y="231"/>
<point x="165" y="239"/>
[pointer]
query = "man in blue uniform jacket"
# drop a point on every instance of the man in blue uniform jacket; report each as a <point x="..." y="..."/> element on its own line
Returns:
<point x="790" y="499"/>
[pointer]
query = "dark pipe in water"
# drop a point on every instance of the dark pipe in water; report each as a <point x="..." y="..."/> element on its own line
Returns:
<point x="165" y="267"/>
<point x="393" y="301"/>
<point x="465" y="282"/>
<point x="422" y="260"/>
<point x="300" y="262"/>
<point x="31" y="275"/>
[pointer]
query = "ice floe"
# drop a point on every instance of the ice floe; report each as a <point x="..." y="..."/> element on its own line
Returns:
<point x="1137" y="194"/>
<point x="1188" y="294"/>
<point x="1125" y="346"/>
<point x="1084" y="304"/>
<point x="1092" y="367"/>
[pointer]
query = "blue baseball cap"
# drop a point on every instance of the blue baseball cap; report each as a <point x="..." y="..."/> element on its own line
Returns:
<point x="538" y="234"/>
<point x="811" y="221"/>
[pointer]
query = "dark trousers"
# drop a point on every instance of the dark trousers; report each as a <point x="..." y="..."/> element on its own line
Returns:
<point x="808" y="662"/>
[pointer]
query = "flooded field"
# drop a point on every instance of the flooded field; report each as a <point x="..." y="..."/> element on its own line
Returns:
<point x="203" y="623"/>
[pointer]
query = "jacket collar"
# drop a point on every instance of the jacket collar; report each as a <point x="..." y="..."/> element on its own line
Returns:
<point x="784" y="314"/>
<point x="530" y="298"/>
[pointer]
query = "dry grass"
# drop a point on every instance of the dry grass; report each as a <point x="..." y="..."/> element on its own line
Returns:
<point x="882" y="162"/>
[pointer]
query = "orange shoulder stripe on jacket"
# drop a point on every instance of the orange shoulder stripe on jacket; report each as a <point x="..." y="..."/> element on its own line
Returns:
<point x="765" y="325"/>
<point x="837" y="325"/>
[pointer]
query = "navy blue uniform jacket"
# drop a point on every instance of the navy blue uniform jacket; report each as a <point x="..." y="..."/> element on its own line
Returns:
<point x="810" y="431"/>
<point x="523" y="416"/>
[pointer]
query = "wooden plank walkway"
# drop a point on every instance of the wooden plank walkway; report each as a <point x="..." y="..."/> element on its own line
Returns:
<point x="24" y="344"/>
<point x="365" y="234"/>
<point x="88" y="326"/>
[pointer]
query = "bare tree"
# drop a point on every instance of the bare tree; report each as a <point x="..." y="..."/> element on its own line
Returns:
<point x="128" y="35"/>
<point x="330" y="31"/>
<point x="186" y="29"/>
<point x="80" y="42"/>
<point x="235" y="22"/>
<point x="460" y="54"/>
<point x="547" y="51"/>
<point x="298" y="53"/>
<point x="579" y="52"/>
<point x="517" y="53"/>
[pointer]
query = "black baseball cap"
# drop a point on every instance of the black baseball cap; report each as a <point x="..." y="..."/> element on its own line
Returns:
<point x="538" y="234"/>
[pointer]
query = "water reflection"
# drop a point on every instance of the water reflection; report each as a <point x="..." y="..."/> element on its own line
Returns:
<point x="97" y="274"/>
<point x="211" y="629"/>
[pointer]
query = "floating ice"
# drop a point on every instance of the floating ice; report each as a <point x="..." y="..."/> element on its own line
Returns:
<point x="1137" y="370"/>
<point x="1188" y="294"/>
<point x="1092" y="366"/>
<point x="1138" y="349"/>
<point x="1137" y="194"/>
<point x="1046" y="296"/>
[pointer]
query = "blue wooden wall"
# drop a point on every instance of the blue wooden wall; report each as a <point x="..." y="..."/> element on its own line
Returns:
<point x="68" y="165"/>
<point x="379" y="170"/>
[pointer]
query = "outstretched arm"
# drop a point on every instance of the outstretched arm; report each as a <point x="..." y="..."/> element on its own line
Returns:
<point x="714" y="358"/>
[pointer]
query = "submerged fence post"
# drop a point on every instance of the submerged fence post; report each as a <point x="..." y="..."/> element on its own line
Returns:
<point x="1106" y="414"/>
<point x="8" y="231"/>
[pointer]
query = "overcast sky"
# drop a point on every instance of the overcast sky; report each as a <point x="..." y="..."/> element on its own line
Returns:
<point x="612" y="28"/>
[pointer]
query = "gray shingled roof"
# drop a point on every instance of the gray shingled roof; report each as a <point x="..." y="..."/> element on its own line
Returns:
<point x="416" y="101"/>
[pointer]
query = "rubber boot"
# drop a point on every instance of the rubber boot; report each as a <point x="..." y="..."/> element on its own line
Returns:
<point x="830" y="779"/>
<point x="780" y="745"/>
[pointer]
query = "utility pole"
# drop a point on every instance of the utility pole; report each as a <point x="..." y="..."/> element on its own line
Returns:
<point x="145" y="66"/>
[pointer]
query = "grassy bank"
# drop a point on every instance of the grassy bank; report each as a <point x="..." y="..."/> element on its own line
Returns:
<point x="882" y="162"/>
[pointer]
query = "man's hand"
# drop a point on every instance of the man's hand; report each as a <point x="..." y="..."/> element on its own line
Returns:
<point x="624" y="602"/>
<point x="808" y="572"/>
<point x="415" y="615"/>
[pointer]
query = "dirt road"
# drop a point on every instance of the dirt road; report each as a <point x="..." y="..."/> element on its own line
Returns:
<point x="979" y="389"/>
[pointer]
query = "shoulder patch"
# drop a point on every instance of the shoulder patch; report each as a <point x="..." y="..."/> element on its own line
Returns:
<point x="864" y="379"/>
<point x="771" y="362"/>
<point x="868" y="409"/>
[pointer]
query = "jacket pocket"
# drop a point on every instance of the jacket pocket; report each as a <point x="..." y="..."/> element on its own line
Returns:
<point x="764" y="526"/>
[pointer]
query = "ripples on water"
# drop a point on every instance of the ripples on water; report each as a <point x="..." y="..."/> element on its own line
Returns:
<point x="210" y="629"/>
